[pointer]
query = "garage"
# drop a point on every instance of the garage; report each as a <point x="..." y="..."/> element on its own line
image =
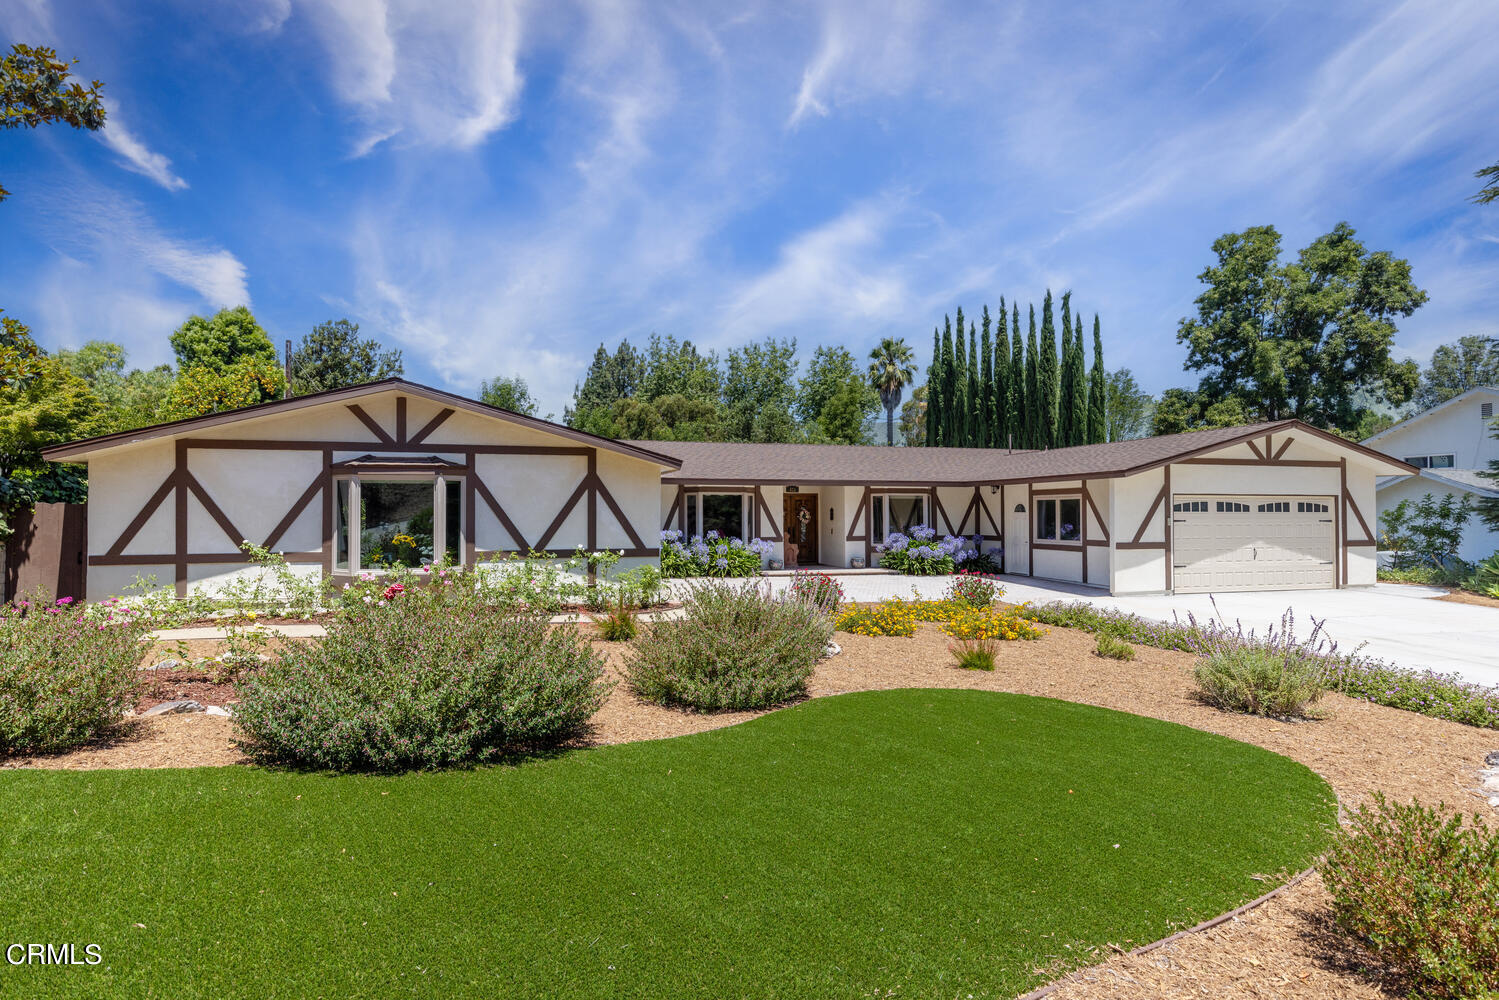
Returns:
<point x="1273" y="542"/>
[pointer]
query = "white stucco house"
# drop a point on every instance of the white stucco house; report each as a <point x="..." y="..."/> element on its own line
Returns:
<point x="1449" y="444"/>
<point x="353" y="479"/>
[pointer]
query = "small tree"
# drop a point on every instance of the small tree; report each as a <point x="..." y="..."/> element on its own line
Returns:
<point x="891" y="368"/>
<point x="1425" y="531"/>
<point x="333" y="356"/>
<point x="510" y="393"/>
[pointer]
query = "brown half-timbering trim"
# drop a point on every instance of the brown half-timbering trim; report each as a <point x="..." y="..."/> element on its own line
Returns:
<point x="1358" y="543"/>
<point x="401" y="419"/>
<point x="681" y="511"/>
<point x="1284" y="446"/>
<point x="1058" y="547"/>
<point x="641" y="553"/>
<point x="257" y="444"/>
<point x="368" y="421"/>
<point x="619" y="515"/>
<point x="567" y="508"/>
<point x="591" y="480"/>
<point x="1066" y="492"/>
<point x="853" y="520"/>
<point x="1103" y="525"/>
<point x="1343" y="518"/>
<point x="330" y="521"/>
<point x="1097" y="543"/>
<point x="400" y="468"/>
<point x="214" y="510"/>
<point x="1083" y="524"/>
<point x="139" y="521"/>
<point x="1138" y="546"/>
<point x="196" y="558"/>
<point x="499" y="512"/>
<point x="284" y="525"/>
<point x="470" y="502"/>
<point x="671" y="512"/>
<point x="1358" y="515"/>
<point x="1256" y="448"/>
<point x="763" y="506"/>
<point x="180" y="498"/>
<point x="1170" y="549"/>
<point x="1160" y="498"/>
<point x="1283" y="464"/>
<point x="937" y="505"/>
<point x="721" y="490"/>
<point x="432" y="425"/>
<point x="999" y="532"/>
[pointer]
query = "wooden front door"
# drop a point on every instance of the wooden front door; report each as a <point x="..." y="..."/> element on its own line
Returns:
<point x="800" y="513"/>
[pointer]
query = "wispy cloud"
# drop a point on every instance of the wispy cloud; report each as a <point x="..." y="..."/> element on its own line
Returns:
<point x="864" y="49"/>
<point x="134" y="154"/>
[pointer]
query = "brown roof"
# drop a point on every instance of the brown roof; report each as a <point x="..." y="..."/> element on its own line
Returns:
<point x="735" y="463"/>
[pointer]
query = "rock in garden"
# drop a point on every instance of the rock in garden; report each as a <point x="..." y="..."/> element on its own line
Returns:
<point x="167" y="665"/>
<point x="217" y="710"/>
<point x="172" y="708"/>
<point x="833" y="649"/>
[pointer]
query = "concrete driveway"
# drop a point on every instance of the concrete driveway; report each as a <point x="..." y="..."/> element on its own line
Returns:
<point x="1402" y="624"/>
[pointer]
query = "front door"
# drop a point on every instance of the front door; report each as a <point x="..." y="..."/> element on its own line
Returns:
<point x="1018" y="540"/>
<point x="800" y="512"/>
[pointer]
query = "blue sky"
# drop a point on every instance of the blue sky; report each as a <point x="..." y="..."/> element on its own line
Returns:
<point x="496" y="187"/>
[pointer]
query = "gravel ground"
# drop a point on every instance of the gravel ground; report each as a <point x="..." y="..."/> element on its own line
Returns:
<point x="1285" y="948"/>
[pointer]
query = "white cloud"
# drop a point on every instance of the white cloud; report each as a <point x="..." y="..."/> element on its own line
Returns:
<point x="134" y="153"/>
<point x="27" y="21"/>
<point x="866" y="49"/>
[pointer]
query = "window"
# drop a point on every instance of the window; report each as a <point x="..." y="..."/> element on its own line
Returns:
<point x="1192" y="507"/>
<point x="384" y="523"/>
<point x="1276" y="507"/>
<point x="906" y="512"/>
<point x="1442" y="461"/>
<point x="1311" y="508"/>
<point x="1431" y="461"/>
<point x="723" y="513"/>
<point x="1059" y="520"/>
<point x="1232" y="507"/>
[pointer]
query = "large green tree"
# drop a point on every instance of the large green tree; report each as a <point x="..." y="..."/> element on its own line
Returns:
<point x="1065" y="381"/>
<point x="947" y="425"/>
<point x="127" y="398"/>
<point x="227" y="337"/>
<point x="1016" y="404"/>
<point x="1130" y="409"/>
<point x="1180" y="410"/>
<point x="610" y="378"/>
<point x="1034" y="433"/>
<point x="986" y="408"/>
<point x="224" y="362"/>
<point x="892" y="367"/>
<point x="759" y="391"/>
<point x="1304" y="338"/>
<point x="835" y="396"/>
<point x="931" y="426"/>
<point x="672" y="417"/>
<point x="333" y="355"/>
<point x="679" y="369"/>
<point x="1098" y="391"/>
<point x="508" y="392"/>
<point x="1455" y="368"/>
<point x="962" y="417"/>
<point x="1076" y="388"/>
<point x="35" y="90"/>
<point x="1047" y="378"/>
<point x="999" y="427"/>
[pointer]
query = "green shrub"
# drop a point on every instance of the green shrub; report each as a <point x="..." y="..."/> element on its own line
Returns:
<point x="736" y="647"/>
<point x="1119" y="624"/>
<point x="1485" y="577"/>
<point x="819" y="589"/>
<point x="1260" y="681"/>
<point x="65" y="677"/>
<point x="426" y="677"/>
<point x="974" y="589"/>
<point x="975" y="654"/>
<point x="618" y="625"/>
<point x="1114" y="649"/>
<point x="1420" y="890"/>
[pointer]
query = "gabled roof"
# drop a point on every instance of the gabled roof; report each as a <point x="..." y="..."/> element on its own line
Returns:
<point x="75" y="450"/>
<point x="1467" y="480"/>
<point x="709" y="463"/>
<point x="1408" y="421"/>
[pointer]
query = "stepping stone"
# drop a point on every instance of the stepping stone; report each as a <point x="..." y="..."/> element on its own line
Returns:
<point x="172" y="708"/>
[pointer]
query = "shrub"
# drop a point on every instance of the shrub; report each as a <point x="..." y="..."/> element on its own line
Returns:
<point x="974" y="589"/>
<point x="618" y="625"/>
<point x="1259" y="681"/>
<point x="736" y="647"/>
<point x="1442" y="696"/>
<point x="891" y="616"/>
<point x="1114" y="649"/>
<point x="1421" y="891"/>
<point x="1119" y="624"/>
<point x="711" y="555"/>
<point x="1485" y="577"/>
<point x="819" y="589"/>
<point x="65" y="677"/>
<point x="920" y="554"/>
<point x="992" y="623"/>
<point x="424" y="678"/>
<point x="975" y="654"/>
<point x="640" y="587"/>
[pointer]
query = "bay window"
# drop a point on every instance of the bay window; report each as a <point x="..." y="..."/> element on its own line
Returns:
<point x="382" y="522"/>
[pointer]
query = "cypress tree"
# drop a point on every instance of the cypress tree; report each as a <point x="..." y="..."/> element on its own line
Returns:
<point x="949" y="385"/>
<point x="1097" y="391"/>
<point x="999" y="422"/>
<point x="1016" y="388"/>
<point x="987" y="415"/>
<point x="960" y="388"/>
<point x="976" y="418"/>
<point x="934" y="392"/>
<point x="1064" y="404"/>
<point x="1047" y="378"/>
<point x="1077" y="394"/>
<point x="1032" y="388"/>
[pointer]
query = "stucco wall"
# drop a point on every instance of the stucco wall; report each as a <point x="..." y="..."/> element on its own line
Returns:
<point x="1458" y="430"/>
<point x="1136" y="571"/>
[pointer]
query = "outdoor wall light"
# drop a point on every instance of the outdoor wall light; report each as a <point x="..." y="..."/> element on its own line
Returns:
<point x="830" y="513"/>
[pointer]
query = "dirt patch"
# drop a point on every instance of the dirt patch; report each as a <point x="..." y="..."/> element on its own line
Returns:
<point x="1468" y="597"/>
<point x="192" y="740"/>
<point x="180" y="685"/>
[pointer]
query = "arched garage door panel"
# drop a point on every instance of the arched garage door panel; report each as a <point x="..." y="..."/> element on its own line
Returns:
<point x="1224" y="543"/>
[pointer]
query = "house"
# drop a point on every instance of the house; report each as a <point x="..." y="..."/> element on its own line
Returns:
<point x="1449" y="444"/>
<point x="354" y="479"/>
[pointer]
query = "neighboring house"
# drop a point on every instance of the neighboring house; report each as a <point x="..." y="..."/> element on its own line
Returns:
<point x="1450" y="444"/>
<point x="348" y="480"/>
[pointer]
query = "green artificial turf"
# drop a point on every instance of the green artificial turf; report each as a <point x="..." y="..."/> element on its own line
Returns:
<point x="909" y="843"/>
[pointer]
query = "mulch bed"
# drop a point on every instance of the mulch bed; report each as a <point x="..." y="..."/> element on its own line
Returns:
<point x="184" y="684"/>
<point x="1287" y="947"/>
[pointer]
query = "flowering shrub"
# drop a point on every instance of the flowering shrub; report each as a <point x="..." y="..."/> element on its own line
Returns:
<point x="992" y="623"/>
<point x="977" y="590"/>
<point x="1277" y="675"/>
<point x="975" y="654"/>
<point x="65" y="677"/>
<point x="429" y="678"/>
<point x="818" y="589"/>
<point x="1421" y="891"/>
<point x="736" y="647"/>
<point x="891" y="616"/>
<point x="711" y="555"/>
<point x="920" y="553"/>
<point x="1119" y="624"/>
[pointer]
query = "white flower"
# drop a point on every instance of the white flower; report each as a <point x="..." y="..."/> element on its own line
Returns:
<point x="368" y="599"/>
<point x="621" y="551"/>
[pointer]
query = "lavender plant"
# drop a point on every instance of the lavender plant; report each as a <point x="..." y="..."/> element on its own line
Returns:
<point x="921" y="553"/>
<point x="711" y="555"/>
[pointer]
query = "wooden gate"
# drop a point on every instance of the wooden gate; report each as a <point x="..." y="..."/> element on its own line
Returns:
<point x="48" y="551"/>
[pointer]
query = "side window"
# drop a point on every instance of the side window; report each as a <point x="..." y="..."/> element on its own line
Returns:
<point x="1232" y="507"/>
<point x="1442" y="461"/>
<point x="1311" y="508"/>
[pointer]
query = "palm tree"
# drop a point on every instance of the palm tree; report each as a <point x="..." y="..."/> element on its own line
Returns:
<point x="891" y="369"/>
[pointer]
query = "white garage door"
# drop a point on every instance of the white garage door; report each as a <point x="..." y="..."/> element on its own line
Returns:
<point x="1251" y="543"/>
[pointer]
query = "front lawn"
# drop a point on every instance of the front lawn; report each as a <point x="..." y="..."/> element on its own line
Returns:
<point x="914" y="842"/>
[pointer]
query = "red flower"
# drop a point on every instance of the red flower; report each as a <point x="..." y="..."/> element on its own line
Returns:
<point x="394" y="589"/>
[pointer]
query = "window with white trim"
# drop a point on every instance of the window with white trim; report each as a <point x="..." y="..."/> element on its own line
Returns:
<point x="725" y="513"/>
<point x="906" y="511"/>
<point x="1276" y="507"/>
<point x="1310" y="508"/>
<point x="1192" y="507"/>
<point x="1431" y="461"/>
<point x="1059" y="519"/>
<point x="1232" y="507"/>
<point x="388" y="521"/>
